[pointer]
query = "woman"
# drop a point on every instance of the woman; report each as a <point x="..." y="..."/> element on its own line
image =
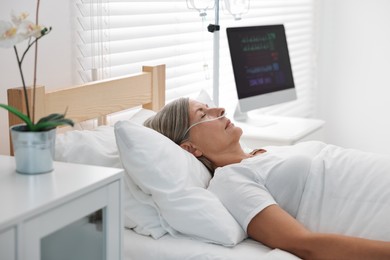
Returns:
<point x="265" y="209"/>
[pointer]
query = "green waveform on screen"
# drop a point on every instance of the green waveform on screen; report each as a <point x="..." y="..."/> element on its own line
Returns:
<point x="259" y="42"/>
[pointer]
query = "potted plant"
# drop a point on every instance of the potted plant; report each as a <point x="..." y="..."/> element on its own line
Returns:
<point x="33" y="141"/>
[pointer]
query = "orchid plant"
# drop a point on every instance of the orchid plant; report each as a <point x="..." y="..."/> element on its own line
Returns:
<point x="12" y="33"/>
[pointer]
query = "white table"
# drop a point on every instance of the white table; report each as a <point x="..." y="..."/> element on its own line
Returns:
<point x="48" y="213"/>
<point x="276" y="130"/>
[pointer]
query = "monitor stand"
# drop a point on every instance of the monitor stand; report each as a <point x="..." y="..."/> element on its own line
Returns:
<point x="259" y="121"/>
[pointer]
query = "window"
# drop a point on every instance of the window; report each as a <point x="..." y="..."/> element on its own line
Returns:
<point x="117" y="37"/>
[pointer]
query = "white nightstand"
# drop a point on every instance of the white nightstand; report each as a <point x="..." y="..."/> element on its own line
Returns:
<point x="280" y="131"/>
<point x="74" y="212"/>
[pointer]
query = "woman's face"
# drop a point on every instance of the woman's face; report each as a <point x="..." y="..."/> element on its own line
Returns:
<point x="211" y="136"/>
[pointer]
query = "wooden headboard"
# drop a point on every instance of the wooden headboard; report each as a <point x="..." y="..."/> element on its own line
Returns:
<point x="96" y="100"/>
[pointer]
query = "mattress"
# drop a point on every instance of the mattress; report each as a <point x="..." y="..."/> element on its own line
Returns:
<point x="140" y="247"/>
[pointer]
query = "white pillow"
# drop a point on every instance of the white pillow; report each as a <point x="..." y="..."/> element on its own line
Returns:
<point x="98" y="147"/>
<point x="140" y="211"/>
<point x="94" y="147"/>
<point x="176" y="181"/>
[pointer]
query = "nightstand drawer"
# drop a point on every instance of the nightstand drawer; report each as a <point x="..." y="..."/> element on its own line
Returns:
<point x="7" y="244"/>
<point x="58" y="230"/>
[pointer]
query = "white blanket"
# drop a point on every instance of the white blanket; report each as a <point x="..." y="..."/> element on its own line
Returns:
<point x="348" y="192"/>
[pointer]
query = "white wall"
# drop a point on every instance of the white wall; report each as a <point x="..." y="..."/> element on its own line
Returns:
<point x="54" y="61"/>
<point x="354" y="70"/>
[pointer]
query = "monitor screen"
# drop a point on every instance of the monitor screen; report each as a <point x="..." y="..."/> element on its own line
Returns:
<point x="261" y="66"/>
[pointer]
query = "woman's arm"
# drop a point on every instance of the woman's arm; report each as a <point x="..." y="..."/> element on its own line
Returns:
<point x="277" y="229"/>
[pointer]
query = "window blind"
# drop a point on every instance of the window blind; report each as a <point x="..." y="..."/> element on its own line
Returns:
<point x="117" y="37"/>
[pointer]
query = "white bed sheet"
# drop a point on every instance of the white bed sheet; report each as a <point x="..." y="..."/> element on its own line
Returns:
<point x="140" y="247"/>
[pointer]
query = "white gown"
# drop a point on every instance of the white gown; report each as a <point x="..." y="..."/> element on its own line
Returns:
<point x="325" y="187"/>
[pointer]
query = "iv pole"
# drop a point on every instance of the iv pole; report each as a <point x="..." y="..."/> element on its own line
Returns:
<point x="214" y="28"/>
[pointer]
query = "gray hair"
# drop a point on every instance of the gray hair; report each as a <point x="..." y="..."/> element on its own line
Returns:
<point x="172" y="121"/>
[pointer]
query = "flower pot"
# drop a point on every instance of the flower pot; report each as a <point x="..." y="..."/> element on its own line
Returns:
<point x="33" y="151"/>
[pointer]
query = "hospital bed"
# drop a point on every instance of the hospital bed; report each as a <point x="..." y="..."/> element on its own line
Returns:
<point x="168" y="212"/>
<point x="149" y="232"/>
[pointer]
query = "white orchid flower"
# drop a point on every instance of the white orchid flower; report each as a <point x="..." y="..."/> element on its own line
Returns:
<point x="12" y="33"/>
<point x="20" y="29"/>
